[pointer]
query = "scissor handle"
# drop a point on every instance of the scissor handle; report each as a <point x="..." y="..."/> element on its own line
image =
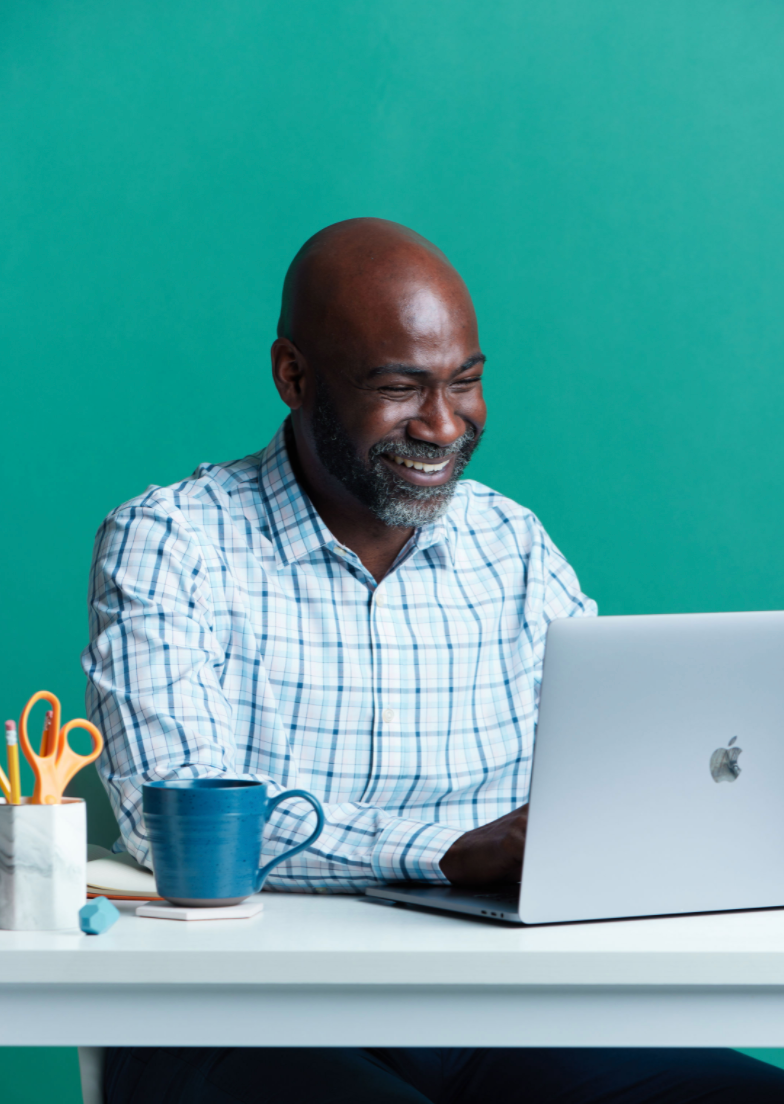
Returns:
<point x="24" y="740"/>
<point x="68" y="761"/>
<point x="54" y="771"/>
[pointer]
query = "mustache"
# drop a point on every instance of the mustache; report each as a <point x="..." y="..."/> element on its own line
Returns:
<point x="421" y="450"/>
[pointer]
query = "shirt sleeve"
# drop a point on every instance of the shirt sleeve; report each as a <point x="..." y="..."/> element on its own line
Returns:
<point x="553" y="593"/>
<point x="154" y="689"/>
<point x="562" y="594"/>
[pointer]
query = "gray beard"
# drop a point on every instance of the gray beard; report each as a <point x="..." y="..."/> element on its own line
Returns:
<point x="393" y="500"/>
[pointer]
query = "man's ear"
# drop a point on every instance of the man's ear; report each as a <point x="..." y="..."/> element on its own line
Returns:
<point x="288" y="371"/>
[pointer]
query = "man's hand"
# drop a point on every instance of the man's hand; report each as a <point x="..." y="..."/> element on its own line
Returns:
<point x="492" y="853"/>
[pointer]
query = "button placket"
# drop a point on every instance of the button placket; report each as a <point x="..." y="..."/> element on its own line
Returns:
<point x="388" y="714"/>
<point x="386" y="688"/>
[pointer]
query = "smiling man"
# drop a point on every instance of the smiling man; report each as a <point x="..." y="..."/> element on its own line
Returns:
<point x="342" y="613"/>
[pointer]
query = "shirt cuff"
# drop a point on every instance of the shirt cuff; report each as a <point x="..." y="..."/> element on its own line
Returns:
<point x="410" y="851"/>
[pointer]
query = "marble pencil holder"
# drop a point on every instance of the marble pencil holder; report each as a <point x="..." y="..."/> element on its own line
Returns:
<point x="43" y="865"/>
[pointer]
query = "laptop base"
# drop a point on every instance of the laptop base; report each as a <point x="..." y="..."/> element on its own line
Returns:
<point x="498" y="902"/>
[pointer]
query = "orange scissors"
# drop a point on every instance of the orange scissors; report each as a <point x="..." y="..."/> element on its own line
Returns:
<point x="58" y="762"/>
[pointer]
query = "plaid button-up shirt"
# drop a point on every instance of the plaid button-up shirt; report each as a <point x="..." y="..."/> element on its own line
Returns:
<point x="232" y="634"/>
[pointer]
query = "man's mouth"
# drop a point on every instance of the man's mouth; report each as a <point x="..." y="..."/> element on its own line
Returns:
<point x="420" y="465"/>
<point x="419" y="472"/>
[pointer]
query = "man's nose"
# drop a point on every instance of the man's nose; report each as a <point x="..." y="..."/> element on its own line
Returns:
<point x="436" y="421"/>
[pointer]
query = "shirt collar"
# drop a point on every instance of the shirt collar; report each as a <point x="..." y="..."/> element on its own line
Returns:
<point x="440" y="532"/>
<point x="295" y="526"/>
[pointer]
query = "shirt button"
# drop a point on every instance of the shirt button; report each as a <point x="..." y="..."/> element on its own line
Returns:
<point x="380" y="600"/>
<point x="389" y="715"/>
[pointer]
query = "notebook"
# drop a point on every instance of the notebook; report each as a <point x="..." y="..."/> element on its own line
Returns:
<point x="118" y="876"/>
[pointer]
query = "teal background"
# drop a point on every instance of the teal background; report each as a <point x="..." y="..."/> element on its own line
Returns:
<point x="608" y="177"/>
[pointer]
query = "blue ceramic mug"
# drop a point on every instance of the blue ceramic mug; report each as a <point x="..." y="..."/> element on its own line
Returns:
<point x="206" y="836"/>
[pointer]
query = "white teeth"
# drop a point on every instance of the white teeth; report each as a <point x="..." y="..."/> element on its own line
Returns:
<point x="419" y="465"/>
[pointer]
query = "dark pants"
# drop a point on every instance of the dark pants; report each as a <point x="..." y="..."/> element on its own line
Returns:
<point x="276" y="1075"/>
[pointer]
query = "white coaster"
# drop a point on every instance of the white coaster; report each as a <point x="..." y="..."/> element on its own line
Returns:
<point x="172" y="912"/>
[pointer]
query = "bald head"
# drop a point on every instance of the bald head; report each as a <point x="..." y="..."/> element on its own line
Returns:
<point x="356" y="279"/>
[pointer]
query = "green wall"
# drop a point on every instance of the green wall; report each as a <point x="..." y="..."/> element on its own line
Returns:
<point x="607" y="175"/>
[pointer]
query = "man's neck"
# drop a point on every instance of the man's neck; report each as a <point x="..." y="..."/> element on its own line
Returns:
<point x="377" y="545"/>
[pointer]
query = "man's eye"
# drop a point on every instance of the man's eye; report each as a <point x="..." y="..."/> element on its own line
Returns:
<point x="467" y="382"/>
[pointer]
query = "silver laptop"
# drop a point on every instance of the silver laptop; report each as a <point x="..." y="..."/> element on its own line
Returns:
<point x="658" y="774"/>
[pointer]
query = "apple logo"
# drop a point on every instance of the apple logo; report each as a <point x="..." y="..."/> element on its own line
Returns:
<point x="724" y="763"/>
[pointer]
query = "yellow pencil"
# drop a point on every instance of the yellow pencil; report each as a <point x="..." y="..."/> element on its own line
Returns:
<point x="12" y="748"/>
<point x="5" y="786"/>
<point x="46" y="739"/>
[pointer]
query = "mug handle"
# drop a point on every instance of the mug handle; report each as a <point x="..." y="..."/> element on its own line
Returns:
<point x="261" y="875"/>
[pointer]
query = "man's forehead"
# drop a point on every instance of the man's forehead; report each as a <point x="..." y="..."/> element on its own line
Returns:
<point x="391" y="343"/>
<point x="413" y="321"/>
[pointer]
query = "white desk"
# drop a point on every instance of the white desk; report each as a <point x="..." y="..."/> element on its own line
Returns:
<point x="329" y="971"/>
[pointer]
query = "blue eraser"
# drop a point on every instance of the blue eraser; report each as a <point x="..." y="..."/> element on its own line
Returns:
<point x="97" y="916"/>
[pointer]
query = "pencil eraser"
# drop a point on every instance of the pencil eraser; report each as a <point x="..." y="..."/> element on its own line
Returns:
<point x="97" y="916"/>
